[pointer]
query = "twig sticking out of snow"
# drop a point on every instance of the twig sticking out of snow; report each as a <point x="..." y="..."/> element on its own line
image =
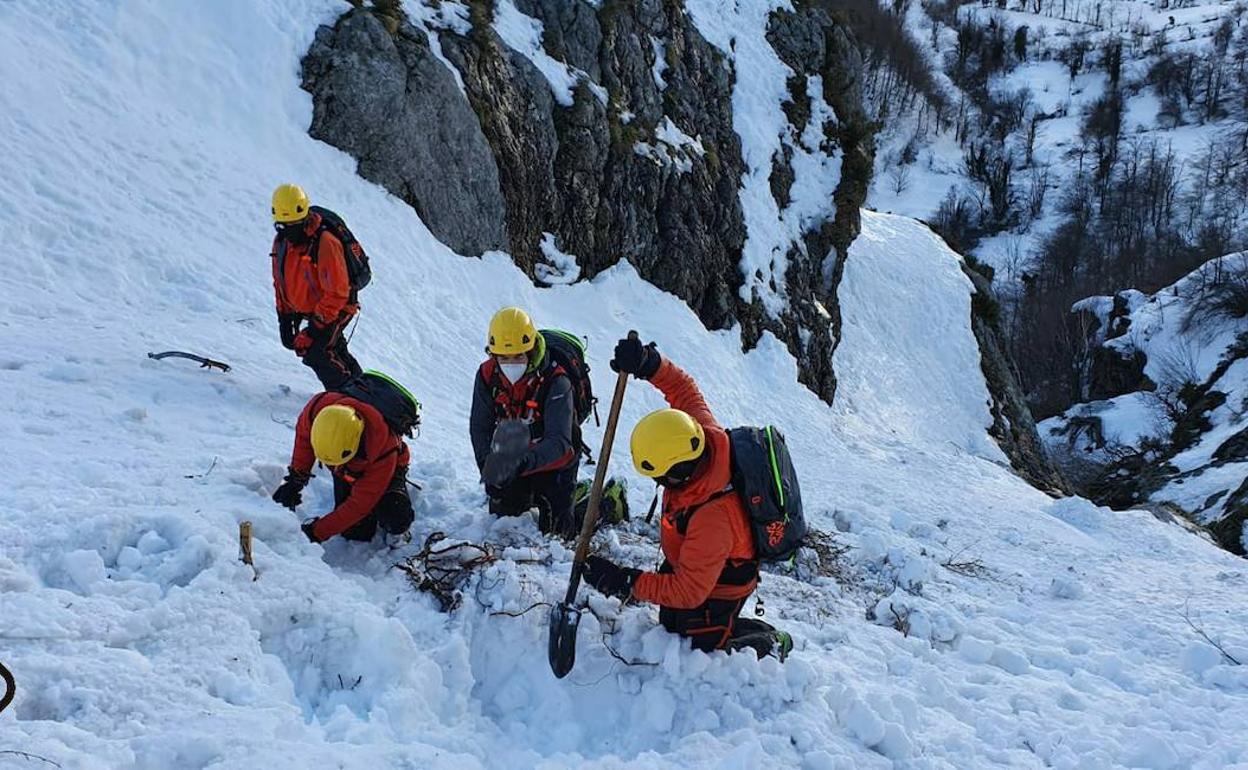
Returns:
<point x="973" y="567"/>
<point x="25" y="755"/>
<point x="828" y="555"/>
<point x="970" y="568"/>
<point x="215" y="460"/>
<point x="443" y="571"/>
<point x="900" y="622"/>
<point x="1187" y="617"/>
<point x="522" y="612"/>
<point x="608" y="626"/>
<point x="616" y="654"/>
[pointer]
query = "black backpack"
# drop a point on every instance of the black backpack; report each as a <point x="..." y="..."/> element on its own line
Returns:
<point x="359" y="273"/>
<point x="764" y="477"/>
<point x="568" y="351"/>
<point x="397" y="405"/>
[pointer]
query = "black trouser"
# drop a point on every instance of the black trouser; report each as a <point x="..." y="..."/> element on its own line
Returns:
<point x="393" y="511"/>
<point x="328" y="355"/>
<point x="717" y="624"/>
<point x="550" y="492"/>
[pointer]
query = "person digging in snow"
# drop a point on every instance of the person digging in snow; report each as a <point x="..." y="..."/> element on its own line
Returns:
<point x="711" y="565"/>
<point x="312" y="282"/>
<point x="369" y="464"/>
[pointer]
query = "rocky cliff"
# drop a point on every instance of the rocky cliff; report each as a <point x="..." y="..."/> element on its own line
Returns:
<point x="1166" y="417"/>
<point x="728" y="168"/>
<point x="611" y="138"/>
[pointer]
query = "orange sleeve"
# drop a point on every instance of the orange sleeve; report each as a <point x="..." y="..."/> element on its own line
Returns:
<point x="331" y="274"/>
<point x="301" y="457"/>
<point x="682" y="393"/>
<point x="702" y="558"/>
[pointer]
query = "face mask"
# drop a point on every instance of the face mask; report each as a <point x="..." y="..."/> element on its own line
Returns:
<point x="514" y="372"/>
<point x="295" y="233"/>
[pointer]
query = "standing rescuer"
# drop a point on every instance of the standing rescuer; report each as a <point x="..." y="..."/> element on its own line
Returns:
<point x="369" y="464"/>
<point x="312" y="283"/>
<point x="520" y="383"/>
<point x="710" y="564"/>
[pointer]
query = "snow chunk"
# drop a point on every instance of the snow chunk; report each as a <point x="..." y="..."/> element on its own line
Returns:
<point x="84" y="568"/>
<point x="562" y="269"/>
<point x="1197" y="658"/>
<point x="1066" y="587"/>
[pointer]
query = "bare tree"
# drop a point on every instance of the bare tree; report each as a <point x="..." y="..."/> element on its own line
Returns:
<point x="899" y="178"/>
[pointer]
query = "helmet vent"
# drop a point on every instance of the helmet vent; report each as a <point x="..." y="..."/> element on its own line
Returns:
<point x="346" y="453"/>
<point x="694" y="443"/>
<point x="525" y="339"/>
<point x="646" y="465"/>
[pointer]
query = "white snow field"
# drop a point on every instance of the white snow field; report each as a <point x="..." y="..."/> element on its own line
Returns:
<point x="139" y="143"/>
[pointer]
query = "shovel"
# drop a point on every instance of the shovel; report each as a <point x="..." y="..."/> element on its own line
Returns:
<point x="564" y="618"/>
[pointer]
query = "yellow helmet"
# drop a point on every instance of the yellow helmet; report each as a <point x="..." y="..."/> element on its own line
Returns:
<point x="511" y="332"/>
<point x="290" y="204"/>
<point x="666" y="438"/>
<point x="336" y="434"/>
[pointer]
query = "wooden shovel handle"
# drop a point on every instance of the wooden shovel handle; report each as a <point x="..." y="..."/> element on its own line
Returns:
<point x="600" y="477"/>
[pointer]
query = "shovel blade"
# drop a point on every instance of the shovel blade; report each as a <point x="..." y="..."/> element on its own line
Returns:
<point x="564" y="621"/>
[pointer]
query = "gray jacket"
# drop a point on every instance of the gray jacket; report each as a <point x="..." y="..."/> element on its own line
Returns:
<point x="552" y="448"/>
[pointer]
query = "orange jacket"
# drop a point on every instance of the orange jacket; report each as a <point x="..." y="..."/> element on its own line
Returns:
<point x="714" y="557"/>
<point x="381" y="453"/>
<point x="322" y="291"/>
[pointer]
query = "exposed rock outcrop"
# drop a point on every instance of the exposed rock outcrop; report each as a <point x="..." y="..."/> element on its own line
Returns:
<point x="387" y="101"/>
<point x="639" y="160"/>
<point x="1012" y="423"/>
<point x="811" y="43"/>
<point x="595" y="173"/>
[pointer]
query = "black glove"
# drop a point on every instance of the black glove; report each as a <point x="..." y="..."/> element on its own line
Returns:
<point x="641" y="361"/>
<point x="288" y="327"/>
<point x="290" y="493"/>
<point x="307" y="527"/>
<point x="610" y="578"/>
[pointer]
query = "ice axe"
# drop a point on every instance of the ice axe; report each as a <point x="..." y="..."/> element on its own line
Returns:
<point x="564" y="618"/>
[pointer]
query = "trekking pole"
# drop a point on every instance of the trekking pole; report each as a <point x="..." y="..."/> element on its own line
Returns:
<point x="564" y="618"/>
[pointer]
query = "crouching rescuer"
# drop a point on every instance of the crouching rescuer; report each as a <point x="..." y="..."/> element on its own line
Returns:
<point x="357" y="434"/>
<point x="708" y="537"/>
<point x="524" y="423"/>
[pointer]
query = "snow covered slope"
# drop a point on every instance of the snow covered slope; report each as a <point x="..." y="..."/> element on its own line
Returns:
<point x="1188" y="410"/>
<point x="1053" y="71"/>
<point x="141" y="141"/>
